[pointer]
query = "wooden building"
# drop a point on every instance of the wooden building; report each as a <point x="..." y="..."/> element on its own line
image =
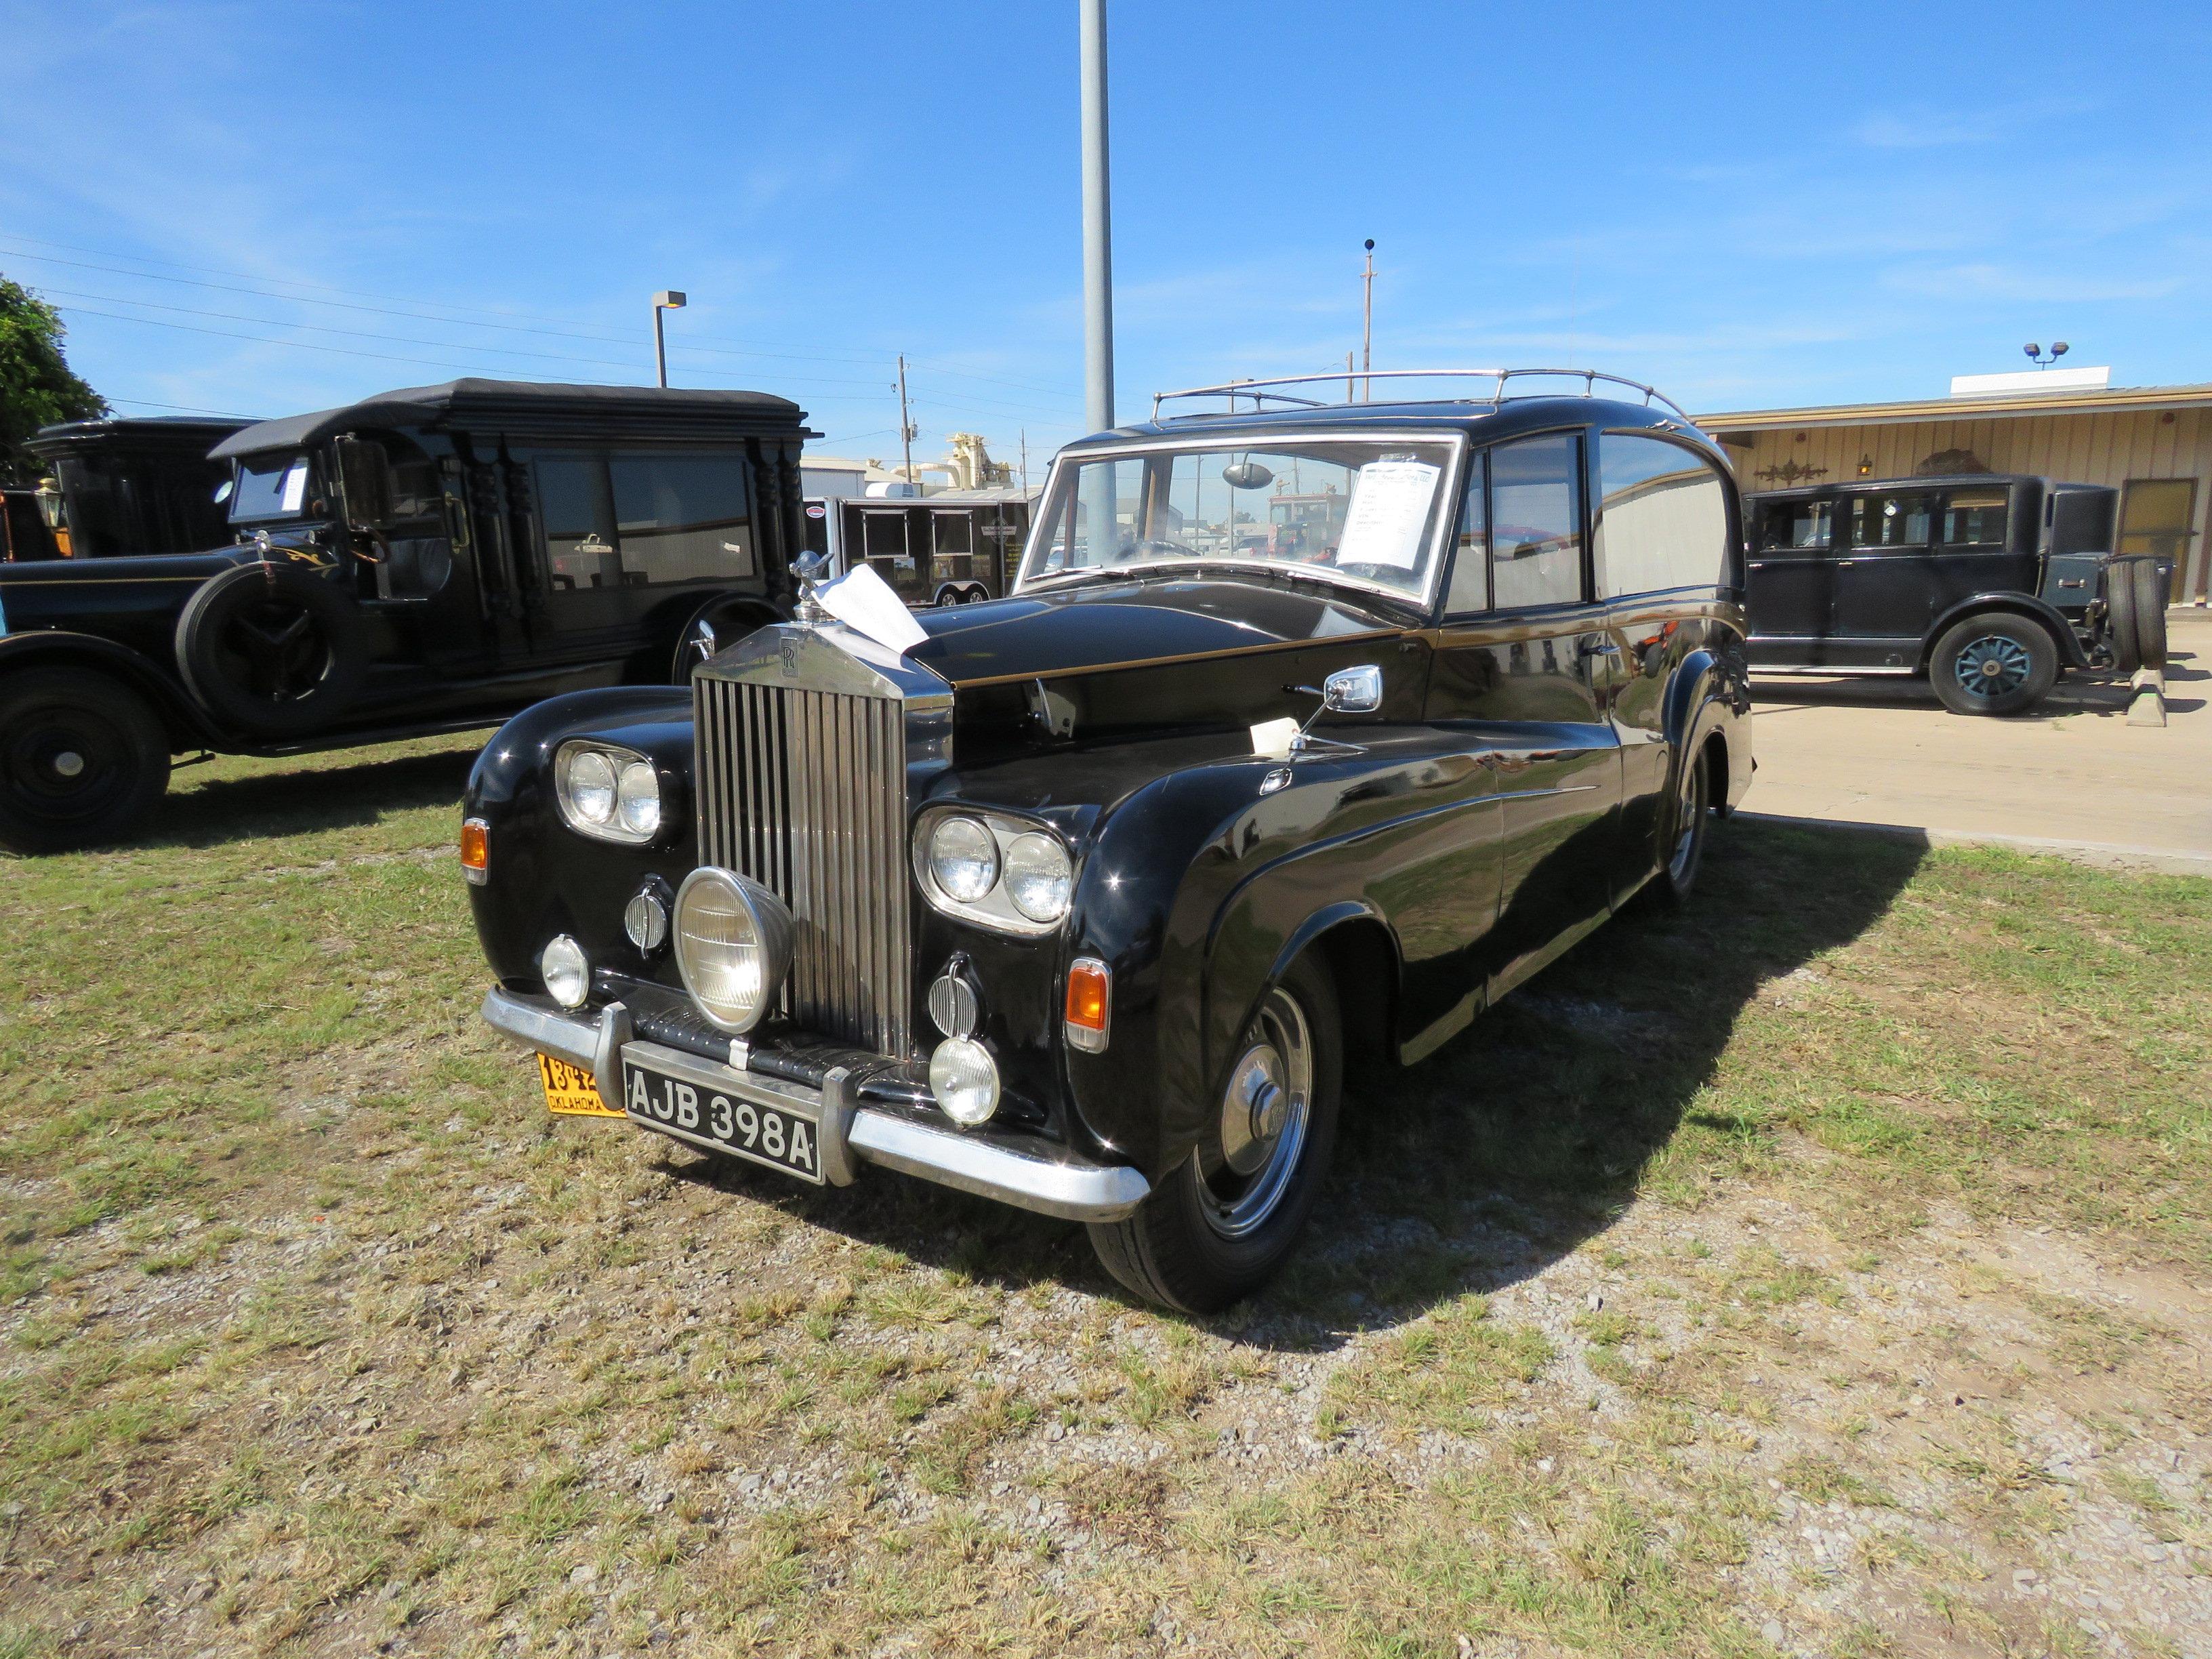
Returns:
<point x="2154" y="443"/>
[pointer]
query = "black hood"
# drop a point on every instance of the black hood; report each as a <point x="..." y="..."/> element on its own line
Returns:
<point x="1080" y="629"/>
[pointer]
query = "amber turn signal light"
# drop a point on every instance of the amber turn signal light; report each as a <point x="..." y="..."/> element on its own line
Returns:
<point x="475" y="850"/>
<point x="1090" y="1010"/>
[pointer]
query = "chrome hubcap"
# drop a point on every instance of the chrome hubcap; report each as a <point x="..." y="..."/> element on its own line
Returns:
<point x="1262" y="1122"/>
<point x="1689" y="816"/>
<point x="1992" y="666"/>
<point x="69" y="763"/>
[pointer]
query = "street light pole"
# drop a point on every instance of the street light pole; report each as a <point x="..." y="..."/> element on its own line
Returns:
<point x="667" y="300"/>
<point x="1097" y="226"/>
<point x="1367" y="326"/>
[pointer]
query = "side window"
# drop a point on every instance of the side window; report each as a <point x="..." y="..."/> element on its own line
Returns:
<point x="1804" y="528"/>
<point x="578" y="521"/>
<point x="682" y="518"/>
<point x="1470" y="580"/>
<point x="1975" y="518"/>
<point x="1903" y="520"/>
<point x="1535" y="522"/>
<point x="1662" y="518"/>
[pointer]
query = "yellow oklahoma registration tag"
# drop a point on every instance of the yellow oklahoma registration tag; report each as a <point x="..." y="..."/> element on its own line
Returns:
<point x="570" y="1088"/>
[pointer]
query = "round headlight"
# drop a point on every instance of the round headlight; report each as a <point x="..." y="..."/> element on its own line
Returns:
<point x="965" y="1081"/>
<point x="963" y="859"/>
<point x="1039" y="877"/>
<point x="637" y="799"/>
<point x="567" y="975"/>
<point x="732" y="946"/>
<point x="591" y="786"/>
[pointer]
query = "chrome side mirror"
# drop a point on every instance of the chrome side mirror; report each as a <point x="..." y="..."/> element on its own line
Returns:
<point x="1353" y="690"/>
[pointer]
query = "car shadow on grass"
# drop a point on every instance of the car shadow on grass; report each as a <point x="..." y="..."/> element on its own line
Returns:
<point x="305" y="798"/>
<point x="1499" y="1155"/>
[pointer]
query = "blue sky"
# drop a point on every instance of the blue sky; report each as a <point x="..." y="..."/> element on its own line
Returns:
<point x="1747" y="207"/>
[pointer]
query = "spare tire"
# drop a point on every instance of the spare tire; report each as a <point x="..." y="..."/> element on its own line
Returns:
<point x="273" y="650"/>
<point x="2150" y="612"/>
<point x="2121" y="617"/>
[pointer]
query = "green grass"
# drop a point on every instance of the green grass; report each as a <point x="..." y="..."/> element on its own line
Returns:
<point x="317" y="1333"/>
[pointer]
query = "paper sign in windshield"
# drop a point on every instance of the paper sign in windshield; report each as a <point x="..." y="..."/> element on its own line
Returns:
<point x="865" y="601"/>
<point x="296" y="487"/>
<point x="1389" y="511"/>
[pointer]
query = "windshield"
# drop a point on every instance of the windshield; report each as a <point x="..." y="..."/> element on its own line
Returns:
<point x="270" y="487"/>
<point x="1358" y="510"/>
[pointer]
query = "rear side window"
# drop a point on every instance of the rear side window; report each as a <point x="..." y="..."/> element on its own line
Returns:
<point x="1975" y="518"/>
<point x="1799" y="527"/>
<point x="682" y="518"/>
<point x="579" y="523"/>
<point x="1903" y="520"/>
<point x="1535" y="522"/>
<point x="1662" y="518"/>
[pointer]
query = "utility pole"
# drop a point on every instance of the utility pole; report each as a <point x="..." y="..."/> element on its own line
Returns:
<point x="1348" y="381"/>
<point x="1367" y="327"/>
<point x="906" y="426"/>
<point x="1025" y="460"/>
<point x="1097" y="226"/>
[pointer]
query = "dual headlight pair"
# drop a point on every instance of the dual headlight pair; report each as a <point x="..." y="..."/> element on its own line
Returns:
<point x="1005" y="873"/>
<point x="608" y="793"/>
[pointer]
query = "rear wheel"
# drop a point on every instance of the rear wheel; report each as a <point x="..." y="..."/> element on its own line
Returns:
<point x="1685" y="849"/>
<point x="1993" y="664"/>
<point x="82" y="757"/>
<point x="2150" y="613"/>
<point x="1225" y="1221"/>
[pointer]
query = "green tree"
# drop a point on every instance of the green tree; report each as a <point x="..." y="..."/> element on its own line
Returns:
<point x="36" y="387"/>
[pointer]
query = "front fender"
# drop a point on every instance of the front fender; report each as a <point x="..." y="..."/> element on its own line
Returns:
<point x="59" y="647"/>
<point x="544" y="878"/>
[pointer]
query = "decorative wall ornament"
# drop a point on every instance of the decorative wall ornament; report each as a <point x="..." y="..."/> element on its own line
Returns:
<point x="1789" y="473"/>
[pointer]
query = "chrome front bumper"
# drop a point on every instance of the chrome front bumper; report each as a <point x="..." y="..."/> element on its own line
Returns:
<point x="850" y="1134"/>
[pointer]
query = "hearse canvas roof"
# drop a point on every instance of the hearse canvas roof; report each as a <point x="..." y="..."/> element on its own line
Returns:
<point x="537" y="408"/>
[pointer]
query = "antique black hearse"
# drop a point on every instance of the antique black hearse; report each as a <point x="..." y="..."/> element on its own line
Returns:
<point x="1987" y="585"/>
<point x="427" y="560"/>
<point x="1081" y="897"/>
<point x="134" y="485"/>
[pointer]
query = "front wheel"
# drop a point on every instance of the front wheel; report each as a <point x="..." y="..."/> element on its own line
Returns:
<point x="81" y="758"/>
<point x="1223" y="1222"/>
<point x="1993" y="664"/>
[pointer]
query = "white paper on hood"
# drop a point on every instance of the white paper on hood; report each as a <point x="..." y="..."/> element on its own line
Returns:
<point x="866" y="604"/>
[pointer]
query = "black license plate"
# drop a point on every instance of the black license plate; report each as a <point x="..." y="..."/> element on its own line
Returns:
<point x="766" y="1134"/>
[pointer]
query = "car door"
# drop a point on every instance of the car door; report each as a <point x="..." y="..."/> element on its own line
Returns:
<point x="1885" y="585"/>
<point x="1985" y="542"/>
<point x="1788" y="580"/>
<point x="1661" y="554"/>
<point x="1525" y="671"/>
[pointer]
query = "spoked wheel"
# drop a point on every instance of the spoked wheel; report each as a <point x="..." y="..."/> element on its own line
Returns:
<point x="1223" y="1222"/>
<point x="1993" y="665"/>
<point x="81" y="758"/>
<point x="1685" y="848"/>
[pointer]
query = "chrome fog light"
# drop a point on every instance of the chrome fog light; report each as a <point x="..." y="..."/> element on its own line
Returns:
<point x="732" y="946"/>
<point x="645" y="919"/>
<point x="567" y="973"/>
<point x="965" y="1081"/>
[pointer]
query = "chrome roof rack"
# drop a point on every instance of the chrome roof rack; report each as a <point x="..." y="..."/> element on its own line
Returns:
<point x="1264" y="392"/>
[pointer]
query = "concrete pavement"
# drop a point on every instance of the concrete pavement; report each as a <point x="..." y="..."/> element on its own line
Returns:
<point x="2073" y="777"/>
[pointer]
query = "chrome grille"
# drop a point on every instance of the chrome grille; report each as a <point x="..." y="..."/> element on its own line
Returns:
<point x="805" y="792"/>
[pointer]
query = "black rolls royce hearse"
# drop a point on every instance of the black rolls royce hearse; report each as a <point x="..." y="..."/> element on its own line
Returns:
<point x="1080" y="899"/>
<point x="1988" y="585"/>
<point x="426" y="561"/>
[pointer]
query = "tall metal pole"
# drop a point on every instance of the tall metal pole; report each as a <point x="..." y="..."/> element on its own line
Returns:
<point x="1097" y="226"/>
<point x="906" y="426"/>
<point x="1367" y="326"/>
<point x="659" y="350"/>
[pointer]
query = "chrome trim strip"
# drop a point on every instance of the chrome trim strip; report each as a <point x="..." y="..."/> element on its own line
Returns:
<point x="1824" y="671"/>
<point x="1072" y="1192"/>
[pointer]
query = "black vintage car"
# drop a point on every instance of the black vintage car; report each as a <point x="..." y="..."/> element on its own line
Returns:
<point x="1988" y="585"/>
<point x="1082" y="900"/>
<point x="136" y="485"/>
<point x="426" y="561"/>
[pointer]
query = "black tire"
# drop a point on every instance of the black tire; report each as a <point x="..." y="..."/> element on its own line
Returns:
<point x="1682" y="844"/>
<point x="272" y="650"/>
<point x="2122" y="623"/>
<point x="716" y="626"/>
<point x="1186" y="1247"/>
<point x="2150" y="613"/>
<point x="1994" y="663"/>
<point x="82" y="756"/>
